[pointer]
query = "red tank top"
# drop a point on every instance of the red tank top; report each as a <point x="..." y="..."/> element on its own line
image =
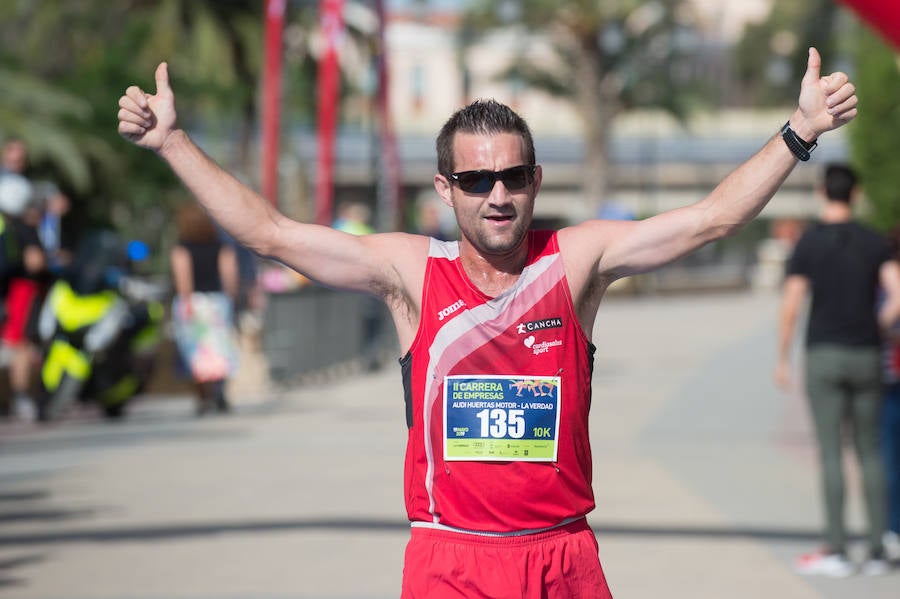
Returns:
<point x="497" y="399"/>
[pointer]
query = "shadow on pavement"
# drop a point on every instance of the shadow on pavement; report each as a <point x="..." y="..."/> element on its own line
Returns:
<point x="374" y="525"/>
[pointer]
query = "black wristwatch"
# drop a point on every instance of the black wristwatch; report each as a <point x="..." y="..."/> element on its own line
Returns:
<point x="797" y="145"/>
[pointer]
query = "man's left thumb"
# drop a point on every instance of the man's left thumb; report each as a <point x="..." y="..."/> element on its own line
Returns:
<point x="813" y="67"/>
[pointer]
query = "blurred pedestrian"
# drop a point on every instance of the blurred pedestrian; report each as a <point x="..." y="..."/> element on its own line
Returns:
<point x="890" y="426"/>
<point x="497" y="489"/>
<point x="353" y="218"/>
<point x="840" y="264"/>
<point x="429" y="220"/>
<point x="55" y="206"/>
<point x="205" y="273"/>
<point x="22" y="284"/>
<point x="14" y="156"/>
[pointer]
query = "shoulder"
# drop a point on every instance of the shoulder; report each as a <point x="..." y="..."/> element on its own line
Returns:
<point x="871" y="232"/>
<point x="811" y="234"/>
<point x="595" y="232"/>
<point x="588" y="241"/>
<point x="401" y="257"/>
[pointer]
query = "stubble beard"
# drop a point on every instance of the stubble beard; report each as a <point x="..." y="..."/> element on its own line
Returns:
<point x="501" y="244"/>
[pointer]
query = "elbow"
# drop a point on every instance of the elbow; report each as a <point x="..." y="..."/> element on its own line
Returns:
<point x="723" y="230"/>
<point x="266" y="241"/>
<point x="717" y="232"/>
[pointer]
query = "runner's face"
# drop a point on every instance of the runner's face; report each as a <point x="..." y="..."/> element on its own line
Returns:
<point x="494" y="222"/>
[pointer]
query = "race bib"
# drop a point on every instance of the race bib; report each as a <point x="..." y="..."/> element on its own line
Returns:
<point x="501" y="418"/>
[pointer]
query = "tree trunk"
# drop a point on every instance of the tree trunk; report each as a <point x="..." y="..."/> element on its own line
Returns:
<point x="598" y="103"/>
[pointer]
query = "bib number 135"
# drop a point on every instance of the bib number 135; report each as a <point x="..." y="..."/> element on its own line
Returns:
<point x="501" y="417"/>
<point x="499" y="423"/>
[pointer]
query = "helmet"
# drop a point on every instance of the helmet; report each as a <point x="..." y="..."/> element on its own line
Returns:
<point x="15" y="193"/>
<point x="100" y="258"/>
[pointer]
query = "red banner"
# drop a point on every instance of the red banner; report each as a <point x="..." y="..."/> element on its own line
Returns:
<point x="271" y="104"/>
<point x="329" y="83"/>
<point x="881" y="15"/>
<point x="390" y="198"/>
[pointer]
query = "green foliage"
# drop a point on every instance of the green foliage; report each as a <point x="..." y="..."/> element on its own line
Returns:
<point x="63" y="66"/>
<point x="875" y="133"/>
<point x="642" y="52"/>
<point x="771" y="56"/>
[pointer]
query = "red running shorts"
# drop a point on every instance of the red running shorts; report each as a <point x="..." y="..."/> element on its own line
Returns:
<point x="562" y="563"/>
<point x="20" y="299"/>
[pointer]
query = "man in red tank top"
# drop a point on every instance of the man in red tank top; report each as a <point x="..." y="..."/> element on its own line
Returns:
<point x="496" y="329"/>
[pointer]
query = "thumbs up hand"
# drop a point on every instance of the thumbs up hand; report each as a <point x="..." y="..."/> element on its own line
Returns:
<point x="826" y="103"/>
<point x="147" y="120"/>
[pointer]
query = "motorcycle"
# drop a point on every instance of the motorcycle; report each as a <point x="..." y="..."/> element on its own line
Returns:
<point x="100" y="329"/>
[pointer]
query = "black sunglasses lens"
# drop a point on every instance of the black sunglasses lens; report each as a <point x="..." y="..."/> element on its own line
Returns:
<point x="476" y="182"/>
<point x="515" y="178"/>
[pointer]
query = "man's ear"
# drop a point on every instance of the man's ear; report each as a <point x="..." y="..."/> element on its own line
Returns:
<point x="444" y="189"/>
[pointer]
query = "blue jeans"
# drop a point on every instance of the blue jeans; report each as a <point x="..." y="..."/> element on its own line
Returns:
<point x="890" y="446"/>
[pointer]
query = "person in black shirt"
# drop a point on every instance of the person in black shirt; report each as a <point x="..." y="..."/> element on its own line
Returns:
<point x="205" y="273"/>
<point x="840" y="264"/>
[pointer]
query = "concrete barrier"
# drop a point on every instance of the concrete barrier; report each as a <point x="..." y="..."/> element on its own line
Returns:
<point x="315" y="329"/>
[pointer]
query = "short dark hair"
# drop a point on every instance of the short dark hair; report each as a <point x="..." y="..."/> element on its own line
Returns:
<point x="485" y="117"/>
<point x="194" y="224"/>
<point x="840" y="180"/>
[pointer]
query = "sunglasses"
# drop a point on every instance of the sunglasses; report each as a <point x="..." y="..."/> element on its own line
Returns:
<point x="513" y="178"/>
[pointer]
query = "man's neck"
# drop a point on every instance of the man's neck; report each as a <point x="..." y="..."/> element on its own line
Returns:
<point x="836" y="212"/>
<point x="493" y="274"/>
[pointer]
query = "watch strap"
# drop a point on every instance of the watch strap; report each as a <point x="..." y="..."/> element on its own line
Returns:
<point x="796" y="144"/>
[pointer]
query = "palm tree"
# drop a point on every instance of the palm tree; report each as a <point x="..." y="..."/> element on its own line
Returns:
<point x="609" y="57"/>
<point x="37" y="113"/>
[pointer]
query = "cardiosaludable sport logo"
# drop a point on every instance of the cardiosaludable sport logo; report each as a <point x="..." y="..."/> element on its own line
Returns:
<point x="541" y="347"/>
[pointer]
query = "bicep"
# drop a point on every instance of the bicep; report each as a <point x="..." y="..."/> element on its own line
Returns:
<point x="365" y="263"/>
<point x="793" y="292"/>
<point x="632" y="247"/>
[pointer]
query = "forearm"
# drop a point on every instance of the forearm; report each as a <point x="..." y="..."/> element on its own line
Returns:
<point x="786" y="336"/>
<point x="794" y="291"/>
<point x="742" y="195"/>
<point x="244" y="214"/>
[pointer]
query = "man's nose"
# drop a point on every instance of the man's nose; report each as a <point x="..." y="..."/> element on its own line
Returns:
<point x="499" y="193"/>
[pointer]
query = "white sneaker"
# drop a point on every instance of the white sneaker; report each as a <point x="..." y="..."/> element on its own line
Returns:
<point x="891" y="542"/>
<point x="25" y="409"/>
<point x="835" y="565"/>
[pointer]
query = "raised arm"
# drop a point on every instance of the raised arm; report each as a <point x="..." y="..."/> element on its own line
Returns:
<point x="325" y="255"/>
<point x="624" y="248"/>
